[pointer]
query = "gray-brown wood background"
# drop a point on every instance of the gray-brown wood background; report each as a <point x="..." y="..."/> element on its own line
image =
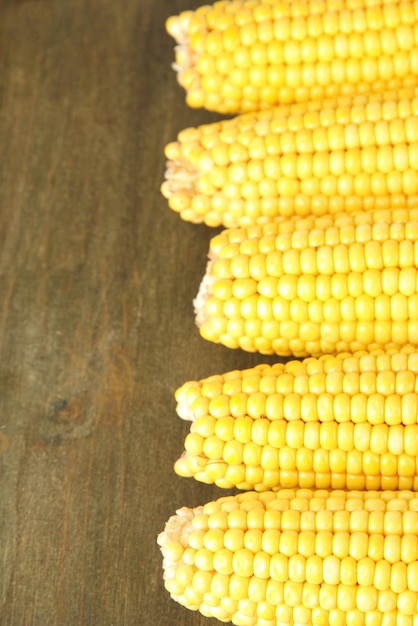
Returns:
<point x="97" y="278"/>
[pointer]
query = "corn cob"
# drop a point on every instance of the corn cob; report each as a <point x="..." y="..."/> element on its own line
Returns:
<point x="297" y="557"/>
<point x="241" y="55"/>
<point x="339" y="155"/>
<point x="344" y="422"/>
<point x="319" y="285"/>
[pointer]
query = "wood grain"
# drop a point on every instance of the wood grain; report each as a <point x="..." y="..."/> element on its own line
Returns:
<point x="97" y="278"/>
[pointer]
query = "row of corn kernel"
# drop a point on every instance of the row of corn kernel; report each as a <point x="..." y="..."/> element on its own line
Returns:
<point x="297" y="557"/>
<point x="345" y="154"/>
<point x="349" y="421"/>
<point x="240" y="55"/>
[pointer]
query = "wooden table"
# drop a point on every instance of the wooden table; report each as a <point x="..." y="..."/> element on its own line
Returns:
<point x="97" y="278"/>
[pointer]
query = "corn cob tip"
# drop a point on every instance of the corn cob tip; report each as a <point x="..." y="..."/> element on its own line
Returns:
<point x="179" y="176"/>
<point x="173" y="26"/>
<point x="177" y="27"/>
<point x="203" y="294"/>
<point x="172" y="541"/>
<point x="180" y="185"/>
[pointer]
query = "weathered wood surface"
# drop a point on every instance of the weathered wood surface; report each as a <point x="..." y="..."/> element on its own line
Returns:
<point x="97" y="278"/>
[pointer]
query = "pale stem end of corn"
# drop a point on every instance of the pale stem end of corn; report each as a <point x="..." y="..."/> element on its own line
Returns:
<point x="173" y="538"/>
<point x="204" y="292"/>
